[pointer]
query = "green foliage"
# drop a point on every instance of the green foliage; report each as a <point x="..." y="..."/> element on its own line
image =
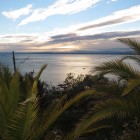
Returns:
<point x="120" y="101"/>
<point x="21" y="117"/>
<point x="118" y="68"/>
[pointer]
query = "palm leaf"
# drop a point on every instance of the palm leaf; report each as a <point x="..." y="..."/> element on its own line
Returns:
<point x="9" y="96"/>
<point x="95" y="129"/>
<point x="107" y="109"/>
<point x="135" y="58"/>
<point x="5" y="74"/>
<point x="57" y="111"/>
<point x="34" y="89"/>
<point x="131" y="85"/>
<point x="132" y="43"/>
<point x="14" y="92"/>
<point x="21" y="123"/>
<point x="119" y="68"/>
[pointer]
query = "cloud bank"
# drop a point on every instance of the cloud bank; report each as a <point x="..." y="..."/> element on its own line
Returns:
<point x="26" y="42"/>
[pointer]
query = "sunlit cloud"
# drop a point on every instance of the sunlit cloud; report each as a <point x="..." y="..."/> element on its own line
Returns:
<point x="61" y="7"/>
<point x="120" y="17"/>
<point x="15" y="14"/>
<point x="63" y="42"/>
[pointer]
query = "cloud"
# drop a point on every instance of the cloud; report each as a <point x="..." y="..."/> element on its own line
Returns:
<point x="111" y="1"/>
<point x="64" y="38"/>
<point x="61" y="7"/>
<point x="28" y="42"/>
<point x="91" y="43"/>
<point x="17" y="38"/>
<point x="123" y="16"/>
<point x="15" y="14"/>
<point x="101" y="36"/>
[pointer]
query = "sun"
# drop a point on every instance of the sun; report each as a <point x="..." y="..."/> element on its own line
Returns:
<point x="67" y="47"/>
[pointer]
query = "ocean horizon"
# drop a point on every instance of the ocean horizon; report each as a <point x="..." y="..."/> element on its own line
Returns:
<point x="58" y="65"/>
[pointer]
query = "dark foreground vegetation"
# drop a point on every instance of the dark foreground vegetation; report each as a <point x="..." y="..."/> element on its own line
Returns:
<point x="82" y="108"/>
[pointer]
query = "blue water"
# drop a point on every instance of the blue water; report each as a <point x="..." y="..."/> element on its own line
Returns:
<point x="58" y="65"/>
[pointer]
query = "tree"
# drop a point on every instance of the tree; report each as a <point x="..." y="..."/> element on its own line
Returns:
<point x="20" y="115"/>
<point x="121" y="105"/>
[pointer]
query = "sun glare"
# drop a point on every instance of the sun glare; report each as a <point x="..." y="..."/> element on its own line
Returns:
<point x="67" y="47"/>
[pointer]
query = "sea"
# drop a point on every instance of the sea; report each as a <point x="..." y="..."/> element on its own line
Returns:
<point x="58" y="65"/>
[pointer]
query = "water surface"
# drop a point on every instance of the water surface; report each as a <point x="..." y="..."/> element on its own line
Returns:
<point x="58" y="65"/>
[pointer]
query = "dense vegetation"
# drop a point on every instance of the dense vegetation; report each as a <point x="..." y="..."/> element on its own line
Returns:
<point x="82" y="108"/>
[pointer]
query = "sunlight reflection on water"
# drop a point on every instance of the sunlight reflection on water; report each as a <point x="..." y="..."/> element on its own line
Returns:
<point x="58" y="65"/>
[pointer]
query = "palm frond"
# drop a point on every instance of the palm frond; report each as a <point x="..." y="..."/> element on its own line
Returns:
<point x="9" y="96"/>
<point x="14" y="91"/>
<point x="131" y="85"/>
<point x="135" y="58"/>
<point x="132" y="43"/>
<point x="15" y="126"/>
<point x="34" y="88"/>
<point x="5" y="74"/>
<point x="119" y="68"/>
<point x="21" y="122"/>
<point x="107" y="109"/>
<point x="114" y="88"/>
<point x="40" y="72"/>
<point x="95" y="129"/>
<point x="58" y="110"/>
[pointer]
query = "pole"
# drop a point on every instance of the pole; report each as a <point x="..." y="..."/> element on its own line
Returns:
<point x="14" y="62"/>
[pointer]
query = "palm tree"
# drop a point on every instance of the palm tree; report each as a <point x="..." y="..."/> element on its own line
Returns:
<point x="122" y="102"/>
<point x="124" y="70"/>
<point x="20" y="115"/>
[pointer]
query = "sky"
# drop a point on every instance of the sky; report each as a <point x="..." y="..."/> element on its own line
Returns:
<point x="67" y="25"/>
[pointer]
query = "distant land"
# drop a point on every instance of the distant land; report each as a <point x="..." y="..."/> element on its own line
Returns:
<point x="113" y="51"/>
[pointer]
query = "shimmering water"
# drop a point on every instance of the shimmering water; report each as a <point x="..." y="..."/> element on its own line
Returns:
<point x="58" y="65"/>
